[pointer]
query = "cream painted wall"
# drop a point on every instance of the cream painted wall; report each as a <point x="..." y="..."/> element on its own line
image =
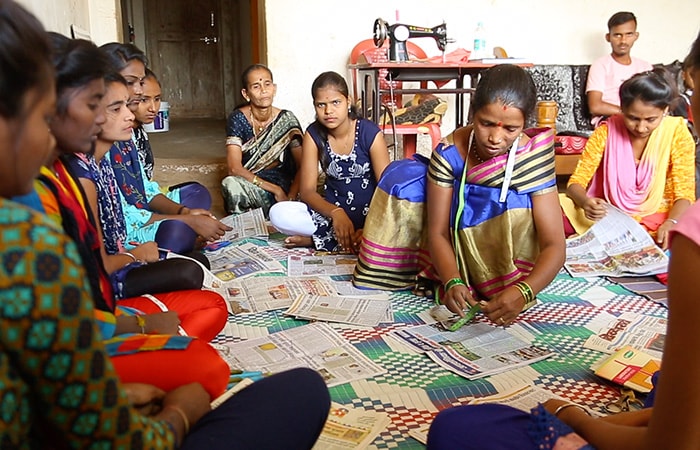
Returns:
<point x="305" y="39"/>
<point x="100" y="18"/>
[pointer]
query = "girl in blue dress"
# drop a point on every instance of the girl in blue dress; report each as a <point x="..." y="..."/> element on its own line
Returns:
<point x="353" y="154"/>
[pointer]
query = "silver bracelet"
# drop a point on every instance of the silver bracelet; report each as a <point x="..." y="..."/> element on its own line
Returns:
<point x="130" y="255"/>
<point x="673" y="221"/>
<point x="561" y="408"/>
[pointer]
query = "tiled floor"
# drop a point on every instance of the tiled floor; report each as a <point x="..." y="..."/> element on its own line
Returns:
<point x="192" y="150"/>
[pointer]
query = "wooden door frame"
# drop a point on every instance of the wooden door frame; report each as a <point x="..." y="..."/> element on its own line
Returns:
<point x="258" y="31"/>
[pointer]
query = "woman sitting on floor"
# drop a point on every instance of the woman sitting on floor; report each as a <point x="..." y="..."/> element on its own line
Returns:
<point x="641" y="161"/>
<point x="134" y="269"/>
<point x="178" y="220"/>
<point x="353" y="155"/>
<point x="79" y="71"/>
<point x="58" y="387"/>
<point x="487" y="228"/>
<point x="670" y="424"/>
<point x="263" y="148"/>
<point x="146" y="112"/>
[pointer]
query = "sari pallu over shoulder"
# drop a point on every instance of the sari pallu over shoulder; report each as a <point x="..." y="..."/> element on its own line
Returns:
<point x="495" y="239"/>
<point x="394" y="254"/>
<point x="262" y="151"/>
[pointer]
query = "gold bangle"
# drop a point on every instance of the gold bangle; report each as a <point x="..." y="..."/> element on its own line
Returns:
<point x="525" y="291"/>
<point x="183" y="416"/>
<point x="256" y="181"/>
<point x="141" y="322"/>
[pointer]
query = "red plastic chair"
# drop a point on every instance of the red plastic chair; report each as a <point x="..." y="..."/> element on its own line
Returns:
<point x="372" y="53"/>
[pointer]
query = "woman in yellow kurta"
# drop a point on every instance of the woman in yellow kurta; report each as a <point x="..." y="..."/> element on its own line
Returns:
<point x="640" y="161"/>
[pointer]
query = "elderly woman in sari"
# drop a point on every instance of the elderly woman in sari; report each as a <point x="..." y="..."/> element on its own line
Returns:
<point x="263" y="146"/>
<point x="489" y="200"/>
<point x="640" y="161"/>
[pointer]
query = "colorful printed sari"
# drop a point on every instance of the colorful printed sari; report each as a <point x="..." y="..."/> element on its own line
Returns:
<point x="267" y="155"/>
<point x="64" y="203"/>
<point x="495" y="239"/>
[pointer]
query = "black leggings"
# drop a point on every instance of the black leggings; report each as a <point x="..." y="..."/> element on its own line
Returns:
<point x="285" y="411"/>
<point x="167" y="275"/>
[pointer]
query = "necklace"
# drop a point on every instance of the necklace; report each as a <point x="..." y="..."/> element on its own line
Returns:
<point x="347" y="144"/>
<point x="473" y="146"/>
<point x="258" y="126"/>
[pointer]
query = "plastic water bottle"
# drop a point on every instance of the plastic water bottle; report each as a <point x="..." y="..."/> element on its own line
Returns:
<point x="480" y="42"/>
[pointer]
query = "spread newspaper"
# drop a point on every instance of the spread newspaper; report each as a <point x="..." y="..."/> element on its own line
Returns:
<point x="368" y="311"/>
<point x="271" y="292"/>
<point x="348" y="427"/>
<point x="474" y="351"/>
<point x="616" y="245"/>
<point x="317" y="346"/>
<point x="643" y="332"/>
<point x="267" y="293"/>
<point x="250" y="224"/>
<point x="300" y="266"/>
<point x="240" y="261"/>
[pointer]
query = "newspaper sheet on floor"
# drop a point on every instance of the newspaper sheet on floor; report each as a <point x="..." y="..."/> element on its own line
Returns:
<point x="343" y="285"/>
<point x="474" y="351"/>
<point x="316" y="345"/>
<point x="367" y="311"/>
<point x="350" y="428"/>
<point x="523" y="398"/>
<point x="240" y="261"/>
<point x="616" y="245"/>
<point x="250" y="224"/>
<point x="644" y="332"/>
<point x="300" y="266"/>
<point x="267" y="293"/>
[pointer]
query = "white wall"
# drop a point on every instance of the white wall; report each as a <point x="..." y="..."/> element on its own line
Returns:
<point x="99" y="18"/>
<point x="307" y="38"/>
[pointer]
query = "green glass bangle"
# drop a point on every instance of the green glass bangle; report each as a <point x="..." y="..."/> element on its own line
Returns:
<point x="454" y="282"/>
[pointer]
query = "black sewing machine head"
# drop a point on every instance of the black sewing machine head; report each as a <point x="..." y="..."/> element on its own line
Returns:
<point x="399" y="33"/>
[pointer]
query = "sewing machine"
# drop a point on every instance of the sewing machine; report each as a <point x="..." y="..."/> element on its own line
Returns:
<point x="399" y="33"/>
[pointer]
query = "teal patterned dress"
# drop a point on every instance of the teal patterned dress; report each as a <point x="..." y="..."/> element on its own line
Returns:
<point x="58" y="387"/>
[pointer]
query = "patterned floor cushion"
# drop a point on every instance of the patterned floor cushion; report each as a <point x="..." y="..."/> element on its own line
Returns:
<point x="569" y="145"/>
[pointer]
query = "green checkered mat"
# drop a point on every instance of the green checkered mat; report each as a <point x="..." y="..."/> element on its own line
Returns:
<point x="414" y="388"/>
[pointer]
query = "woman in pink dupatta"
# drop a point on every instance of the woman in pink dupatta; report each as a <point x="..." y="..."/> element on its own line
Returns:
<point x="640" y="161"/>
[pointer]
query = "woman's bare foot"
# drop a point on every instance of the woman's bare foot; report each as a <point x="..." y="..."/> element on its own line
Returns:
<point x="298" y="241"/>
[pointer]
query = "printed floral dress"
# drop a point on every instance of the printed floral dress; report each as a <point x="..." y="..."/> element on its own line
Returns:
<point x="350" y="181"/>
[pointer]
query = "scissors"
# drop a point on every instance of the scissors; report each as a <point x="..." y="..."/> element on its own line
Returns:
<point x="627" y="402"/>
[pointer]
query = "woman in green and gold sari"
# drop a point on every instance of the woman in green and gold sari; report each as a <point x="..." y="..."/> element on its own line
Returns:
<point x="484" y="222"/>
<point x="263" y="148"/>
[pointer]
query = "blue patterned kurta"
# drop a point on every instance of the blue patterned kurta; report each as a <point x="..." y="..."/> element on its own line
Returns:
<point x="350" y="181"/>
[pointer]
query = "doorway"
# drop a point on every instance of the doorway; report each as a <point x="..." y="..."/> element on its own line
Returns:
<point x="198" y="49"/>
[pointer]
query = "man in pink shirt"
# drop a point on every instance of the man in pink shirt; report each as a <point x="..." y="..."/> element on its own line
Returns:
<point x="609" y="72"/>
